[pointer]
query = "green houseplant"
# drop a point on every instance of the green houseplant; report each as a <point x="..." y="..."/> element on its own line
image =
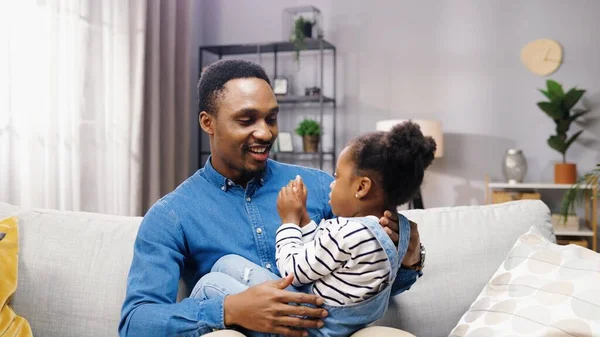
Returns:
<point x="576" y="193"/>
<point x="302" y="30"/>
<point x="310" y="131"/>
<point x="559" y="107"/>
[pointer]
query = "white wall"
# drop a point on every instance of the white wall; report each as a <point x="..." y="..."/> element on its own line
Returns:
<point x="457" y="61"/>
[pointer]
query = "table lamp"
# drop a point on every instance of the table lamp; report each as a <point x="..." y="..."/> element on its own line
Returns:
<point x="431" y="128"/>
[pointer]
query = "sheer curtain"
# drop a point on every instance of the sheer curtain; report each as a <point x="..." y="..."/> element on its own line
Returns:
<point x="71" y="93"/>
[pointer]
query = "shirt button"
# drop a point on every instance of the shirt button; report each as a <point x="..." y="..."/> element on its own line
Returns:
<point x="268" y="266"/>
<point x="258" y="230"/>
<point x="229" y="182"/>
<point x="248" y="199"/>
<point x="223" y="188"/>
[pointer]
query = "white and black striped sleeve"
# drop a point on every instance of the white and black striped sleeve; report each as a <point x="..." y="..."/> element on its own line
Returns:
<point x="308" y="261"/>
<point x="309" y="231"/>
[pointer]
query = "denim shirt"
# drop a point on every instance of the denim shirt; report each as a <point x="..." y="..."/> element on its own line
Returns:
<point x="187" y="231"/>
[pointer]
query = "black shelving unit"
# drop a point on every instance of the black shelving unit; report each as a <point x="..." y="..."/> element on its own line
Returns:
<point x="320" y="45"/>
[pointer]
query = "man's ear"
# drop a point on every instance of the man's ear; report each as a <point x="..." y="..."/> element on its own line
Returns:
<point x="364" y="186"/>
<point x="207" y="122"/>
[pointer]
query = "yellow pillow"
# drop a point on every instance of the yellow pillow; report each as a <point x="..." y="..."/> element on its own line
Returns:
<point x="10" y="324"/>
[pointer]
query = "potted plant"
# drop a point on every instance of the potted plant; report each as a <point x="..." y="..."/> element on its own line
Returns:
<point x="302" y="30"/>
<point x="310" y="131"/>
<point x="576" y="192"/>
<point x="560" y="109"/>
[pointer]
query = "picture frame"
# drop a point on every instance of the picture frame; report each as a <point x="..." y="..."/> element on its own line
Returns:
<point x="284" y="142"/>
<point x="280" y="86"/>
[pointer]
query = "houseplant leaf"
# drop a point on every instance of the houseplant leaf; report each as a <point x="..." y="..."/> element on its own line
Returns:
<point x="562" y="126"/>
<point x="571" y="98"/>
<point x="578" y="113"/>
<point x="555" y="90"/>
<point x="572" y="139"/>
<point x="545" y="93"/>
<point x="550" y="109"/>
<point x="557" y="143"/>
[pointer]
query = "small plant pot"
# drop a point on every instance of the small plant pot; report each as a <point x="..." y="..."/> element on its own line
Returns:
<point x="310" y="143"/>
<point x="565" y="173"/>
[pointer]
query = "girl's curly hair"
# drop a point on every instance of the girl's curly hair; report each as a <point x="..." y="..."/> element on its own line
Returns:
<point x="395" y="160"/>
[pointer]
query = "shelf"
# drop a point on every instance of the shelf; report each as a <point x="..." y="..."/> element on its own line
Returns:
<point x="583" y="231"/>
<point x="302" y="99"/>
<point x="269" y="47"/>
<point x="538" y="186"/>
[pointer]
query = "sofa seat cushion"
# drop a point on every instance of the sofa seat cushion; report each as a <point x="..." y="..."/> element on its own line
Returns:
<point x="541" y="289"/>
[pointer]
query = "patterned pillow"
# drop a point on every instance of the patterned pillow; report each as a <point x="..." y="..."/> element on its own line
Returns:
<point x="541" y="289"/>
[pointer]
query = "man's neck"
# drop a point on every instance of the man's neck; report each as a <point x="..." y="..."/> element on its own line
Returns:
<point x="238" y="177"/>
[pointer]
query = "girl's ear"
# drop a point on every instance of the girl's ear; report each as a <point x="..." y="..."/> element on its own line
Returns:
<point x="363" y="187"/>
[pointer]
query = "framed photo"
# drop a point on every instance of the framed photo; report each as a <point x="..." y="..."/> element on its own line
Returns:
<point x="284" y="142"/>
<point x="280" y="86"/>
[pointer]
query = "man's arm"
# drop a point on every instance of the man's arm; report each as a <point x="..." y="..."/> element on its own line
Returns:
<point x="407" y="276"/>
<point x="150" y="307"/>
<point x="153" y="279"/>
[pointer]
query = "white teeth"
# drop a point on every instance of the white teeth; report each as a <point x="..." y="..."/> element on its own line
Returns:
<point x="258" y="150"/>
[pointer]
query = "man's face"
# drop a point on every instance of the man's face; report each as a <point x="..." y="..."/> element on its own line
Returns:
<point x="243" y="129"/>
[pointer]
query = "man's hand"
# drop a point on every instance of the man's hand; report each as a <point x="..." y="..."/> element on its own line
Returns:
<point x="266" y="308"/>
<point x="389" y="222"/>
<point x="413" y="253"/>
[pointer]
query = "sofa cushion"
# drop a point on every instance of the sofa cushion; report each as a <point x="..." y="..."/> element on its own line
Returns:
<point x="73" y="269"/>
<point x="11" y="325"/>
<point x="465" y="245"/>
<point x="541" y="289"/>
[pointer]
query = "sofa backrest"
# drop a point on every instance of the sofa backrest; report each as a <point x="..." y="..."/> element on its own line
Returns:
<point x="465" y="246"/>
<point x="73" y="266"/>
<point x="73" y="269"/>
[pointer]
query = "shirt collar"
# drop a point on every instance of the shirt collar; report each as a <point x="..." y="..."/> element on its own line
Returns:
<point x="225" y="183"/>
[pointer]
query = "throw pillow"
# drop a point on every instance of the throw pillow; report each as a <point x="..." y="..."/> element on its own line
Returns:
<point x="10" y="324"/>
<point x="541" y="289"/>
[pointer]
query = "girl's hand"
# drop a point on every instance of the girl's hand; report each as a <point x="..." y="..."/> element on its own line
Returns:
<point x="290" y="205"/>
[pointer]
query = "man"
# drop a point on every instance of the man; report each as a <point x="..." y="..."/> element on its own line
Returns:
<point x="229" y="207"/>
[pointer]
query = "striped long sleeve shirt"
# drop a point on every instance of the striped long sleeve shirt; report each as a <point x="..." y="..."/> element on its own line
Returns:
<point x="341" y="257"/>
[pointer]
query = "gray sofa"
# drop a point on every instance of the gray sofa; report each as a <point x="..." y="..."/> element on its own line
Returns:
<point x="73" y="266"/>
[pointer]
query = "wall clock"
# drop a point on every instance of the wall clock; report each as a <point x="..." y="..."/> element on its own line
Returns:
<point x="542" y="57"/>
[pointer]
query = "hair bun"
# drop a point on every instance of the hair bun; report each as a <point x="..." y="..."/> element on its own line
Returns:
<point x="408" y="140"/>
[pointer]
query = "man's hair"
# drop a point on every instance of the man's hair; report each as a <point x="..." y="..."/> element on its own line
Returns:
<point x="395" y="160"/>
<point x="213" y="79"/>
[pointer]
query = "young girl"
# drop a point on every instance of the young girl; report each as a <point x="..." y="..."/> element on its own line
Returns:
<point x="349" y="261"/>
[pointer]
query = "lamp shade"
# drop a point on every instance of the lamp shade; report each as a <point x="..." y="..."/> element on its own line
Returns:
<point x="428" y="127"/>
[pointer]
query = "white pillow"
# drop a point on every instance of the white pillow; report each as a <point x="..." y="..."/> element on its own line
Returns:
<point x="541" y="289"/>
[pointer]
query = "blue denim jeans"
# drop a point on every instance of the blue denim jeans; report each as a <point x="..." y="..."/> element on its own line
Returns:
<point x="232" y="274"/>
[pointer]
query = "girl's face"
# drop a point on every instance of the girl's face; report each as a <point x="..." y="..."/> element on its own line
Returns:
<point x="343" y="189"/>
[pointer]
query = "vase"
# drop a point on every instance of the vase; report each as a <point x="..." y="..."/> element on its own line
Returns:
<point x="514" y="166"/>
